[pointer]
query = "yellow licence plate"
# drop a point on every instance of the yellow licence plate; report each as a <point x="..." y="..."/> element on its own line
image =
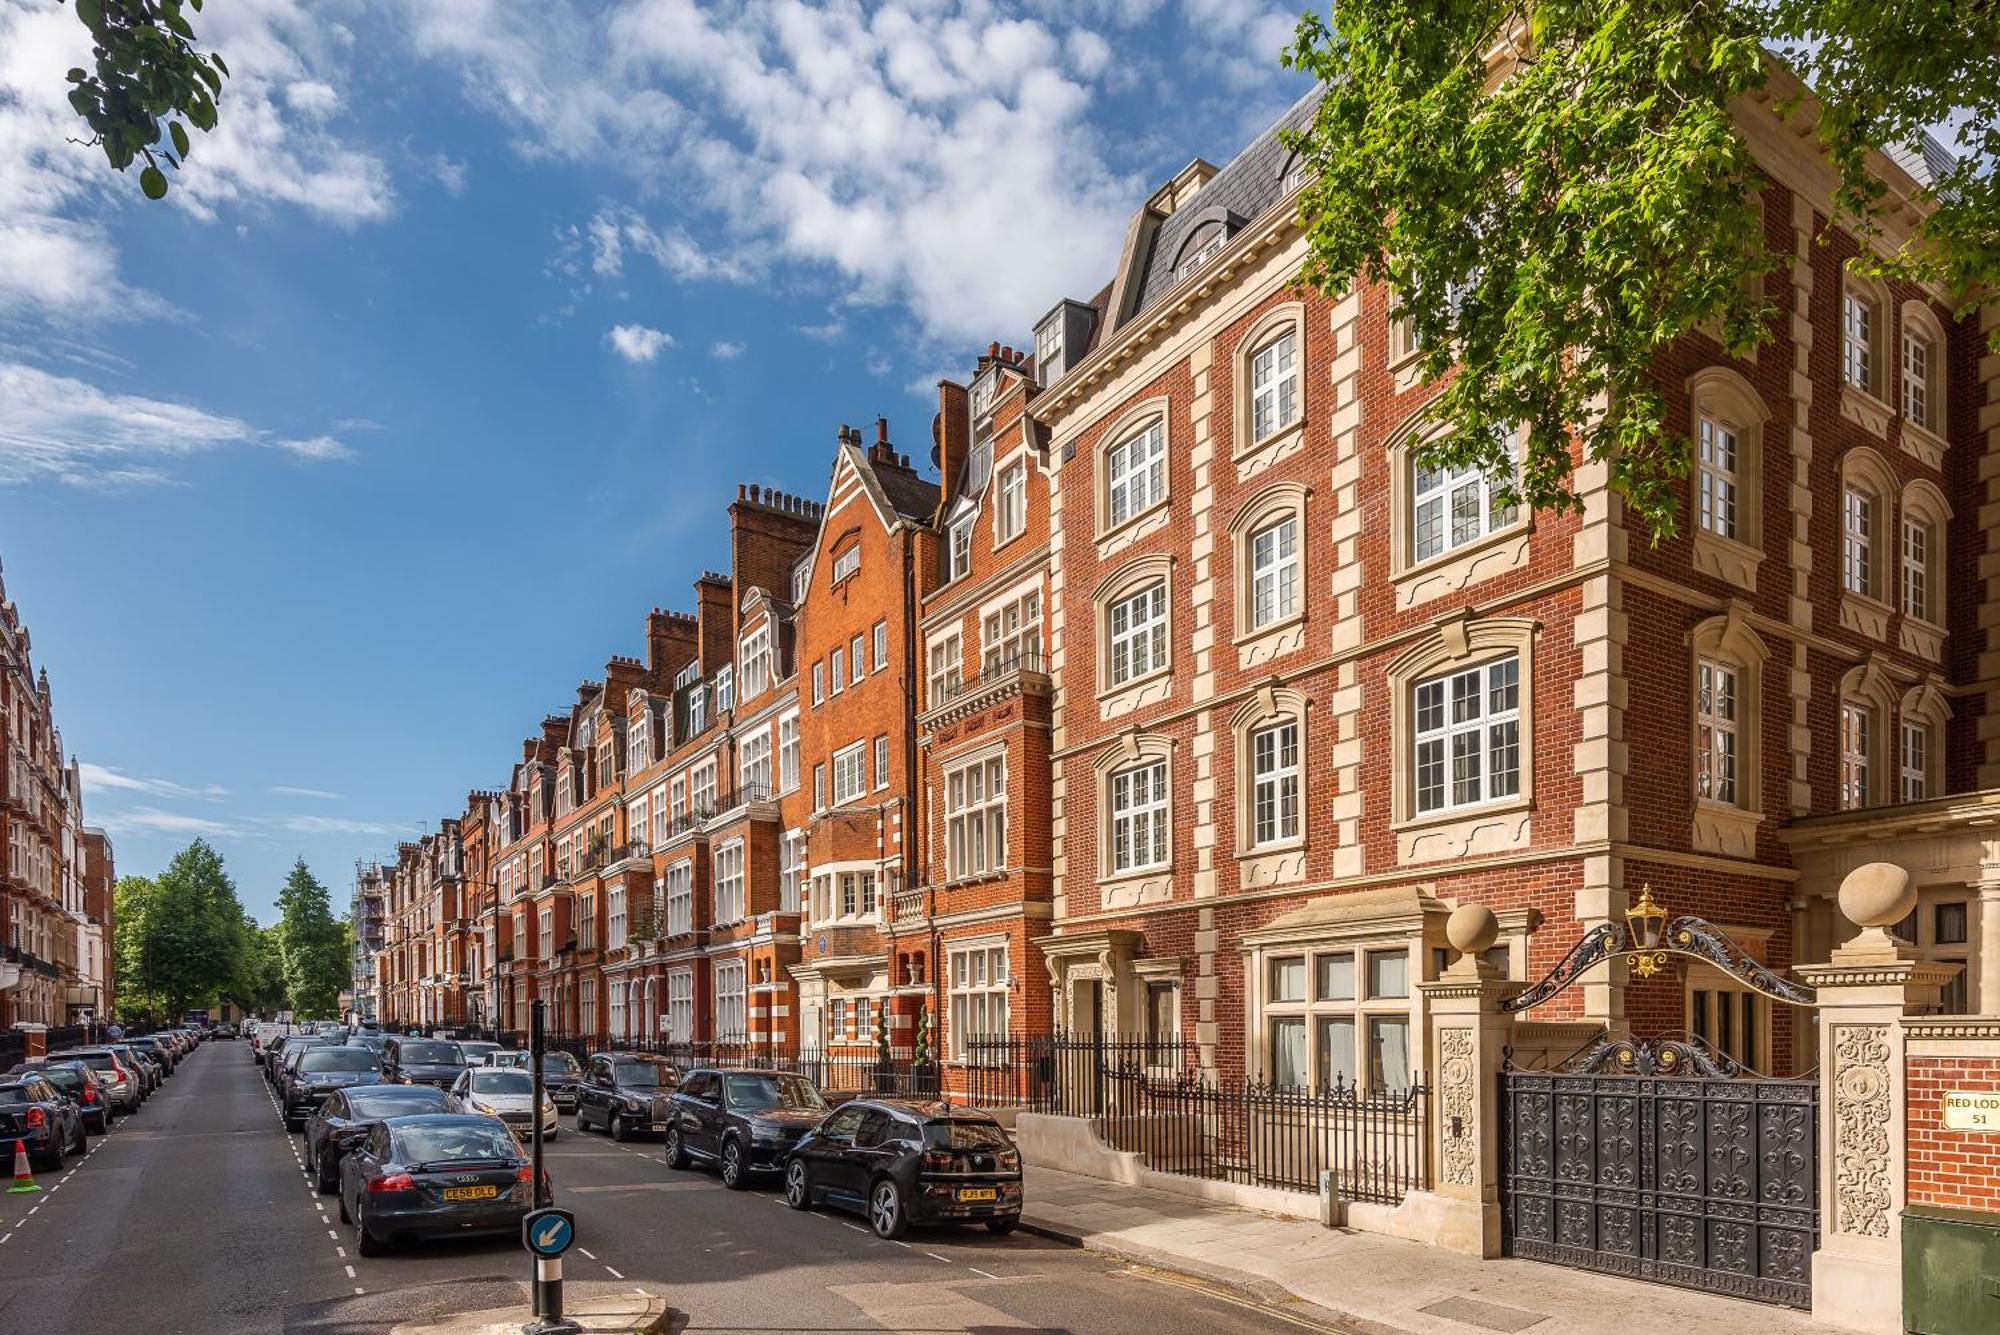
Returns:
<point x="978" y="1194"/>
<point x="470" y="1193"/>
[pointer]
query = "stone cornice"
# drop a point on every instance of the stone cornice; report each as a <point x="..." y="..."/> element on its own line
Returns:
<point x="1986" y="1027"/>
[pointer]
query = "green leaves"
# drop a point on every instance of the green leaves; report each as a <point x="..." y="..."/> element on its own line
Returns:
<point x="148" y="79"/>
<point x="1547" y="238"/>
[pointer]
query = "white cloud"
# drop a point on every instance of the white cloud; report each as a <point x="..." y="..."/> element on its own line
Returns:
<point x="724" y="350"/>
<point x="451" y="175"/>
<point x="274" y="144"/>
<point x="638" y="343"/>
<point x="110" y="778"/>
<point x="61" y="428"/>
<point x="152" y="820"/>
<point x="935" y="153"/>
<point x="333" y="825"/>
<point x="286" y="790"/>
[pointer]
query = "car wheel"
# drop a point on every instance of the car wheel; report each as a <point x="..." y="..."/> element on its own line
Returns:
<point x="82" y="1143"/>
<point x="1000" y="1228"/>
<point x="734" y="1175"/>
<point x="885" y="1210"/>
<point x="345" y="1217"/>
<point x="366" y="1243"/>
<point x="798" y="1187"/>
<point x="676" y="1153"/>
<point x="618" y="1131"/>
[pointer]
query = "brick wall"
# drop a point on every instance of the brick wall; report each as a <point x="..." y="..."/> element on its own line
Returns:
<point x="1960" y="1169"/>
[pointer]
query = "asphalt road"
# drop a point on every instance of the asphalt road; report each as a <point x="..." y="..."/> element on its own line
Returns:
<point x="195" y="1216"/>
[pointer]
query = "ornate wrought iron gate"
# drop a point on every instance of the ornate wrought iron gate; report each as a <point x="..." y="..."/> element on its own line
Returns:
<point x="1656" y="1162"/>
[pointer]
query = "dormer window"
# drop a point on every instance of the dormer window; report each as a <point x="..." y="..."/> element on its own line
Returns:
<point x="1048" y="348"/>
<point x="1201" y="248"/>
<point x="982" y="393"/>
<point x="725" y="690"/>
<point x="801" y="581"/>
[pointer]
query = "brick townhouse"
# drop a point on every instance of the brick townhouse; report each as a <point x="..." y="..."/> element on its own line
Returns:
<point x="52" y="958"/>
<point x="1309" y="696"/>
<point x="987" y="886"/>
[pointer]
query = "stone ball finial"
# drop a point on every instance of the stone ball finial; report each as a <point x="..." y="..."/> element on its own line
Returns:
<point x="1877" y="894"/>
<point x="1472" y="929"/>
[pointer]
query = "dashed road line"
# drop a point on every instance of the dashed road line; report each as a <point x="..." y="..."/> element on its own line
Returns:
<point x="977" y="1271"/>
<point x="614" y="1273"/>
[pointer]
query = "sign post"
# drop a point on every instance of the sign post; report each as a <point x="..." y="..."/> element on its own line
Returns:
<point x="546" y="1232"/>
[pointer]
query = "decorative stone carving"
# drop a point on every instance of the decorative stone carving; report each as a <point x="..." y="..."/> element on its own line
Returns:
<point x="1861" y="1129"/>
<point x="1457" y="1076"/>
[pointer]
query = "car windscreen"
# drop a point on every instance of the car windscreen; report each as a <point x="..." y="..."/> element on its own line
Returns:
<point x="439" y="1054"/>
<point x="492" y="1080"/>
<point x="397" y="1101"/>
<point x="338" y="1059"/>
<point x="96" y="1061"/>
<point x="641" y="1075"/>
<point x="560" y="1063"/>
<point x="771" y="1093"/>
<point x="964" y="1134"/>
<point x="450" y="1141"/>
<point x="63" y="1077"/>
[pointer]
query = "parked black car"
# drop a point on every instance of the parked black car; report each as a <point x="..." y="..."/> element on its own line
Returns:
<point x="274" y="1054"/>
<point x="347" y="1114"/>
<point x="151" y="1070"/>
<point x="562" y="1074"/>
<point x="742" y="1121"/>
<point x="42" y="1117"/>
<point x="904" y="1162"/>
<point x="441" y="1173"/>
<point x="169" y="1056"/>
<point x="79" y="1084"/>
<point x="320" y="1071"/>
<point x="624" y="1092"/>
<point x="124" y="1084"/>
<point x="422" y="1061"/>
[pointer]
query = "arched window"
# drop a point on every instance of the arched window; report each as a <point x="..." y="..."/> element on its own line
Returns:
<point x="1920" y="743"/>
<point x="1270" y="741"/>
<point x="1867" y="700"/>
<point x="1268" y="533"/>
<point x="1728" y="683"/>
<point x="1921" y="376"/>
<point x="1135" y="624"/>
<point x="1135" y="799"/>
<point x="1269" y="361"/>
<point x="1463" y="713"/>
<point x="1451" y="527"/>
<point x="1727" y="421"/>
<point x="1867" y="528"/>
<point x="1132" y="473"/>
<point x="1863" y="306"/>
<point x="1920" y="549"/>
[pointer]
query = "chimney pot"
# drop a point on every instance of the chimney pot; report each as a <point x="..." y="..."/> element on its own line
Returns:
<point x="993" y="348"/>
<point x="882" y="430"/>
<point x="1006" y="354"/>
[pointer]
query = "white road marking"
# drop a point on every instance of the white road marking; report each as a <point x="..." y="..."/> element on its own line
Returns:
<point x="3" y="1239"/>
<point x="342" y="1250"/>
<point x="587" y="1252"/>
<point x="904" y="1245"/>
<point x="359" y="1289"/>
<point x="856" y="1227"/>
<point x="331" y="1234"/>
<point x="935" y="1257"/>
<point x="350" y="1271"/>
<point x="977" y="1271"/>
<point x="614" y="1273"/>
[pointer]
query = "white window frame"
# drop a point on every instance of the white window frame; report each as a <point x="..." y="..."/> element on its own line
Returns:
<point x="850" y="773"/>
<point x="701" y="788"/>
<point x="679" y="879"/>
<point x="1010" y="515"/>
<point x="616" y="928"/>
<point x="1140" y="830"/>
<point x="1919" y="360"/>
<point x="791" y="870"/>
<point x="1913" y="755"/>
<point x="1320" y="1012"/>
<point x="1438" y="745"/>
<point x="1857" y="754"/>
<point x="947" y="667"/>
<point x="836" y="670"/>
<point x="1441" y="492"/>
<point x="960" y="547"/>
<point x="1919" y="542"/>
<point x="1860" y="322"/>
<point x="680" y="1006"/>
<point x="882" y="761"/>
<point x="732" y="1000"/>
<point x="847" y="563"/>
<point x="1012" y="633"/>
<point x="881" y="645"/>
<point x="1860" y="525"/>
<point x="1274" y="385"/>
<point x="788" y="752"/>
<point x="731" y="903"/>
<point x="1275" y="771"/>
<point x="756" y="658"/>
<point x="976" y="994"/>
<point x="1720" y="485"/>
<point x="1719" y="722"/>
<point x="1135" y="473"/>
<point x="1274" y="571"/>
<point x="975" y="817"/>
<point x="1135" y="635"/>
<point x="753" y="763"/>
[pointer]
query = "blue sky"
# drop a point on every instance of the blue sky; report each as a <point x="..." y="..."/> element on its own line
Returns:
<point x="322" y="481"/>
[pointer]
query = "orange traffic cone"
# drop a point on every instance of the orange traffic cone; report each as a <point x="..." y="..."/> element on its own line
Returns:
<point x="24" y="1176"/>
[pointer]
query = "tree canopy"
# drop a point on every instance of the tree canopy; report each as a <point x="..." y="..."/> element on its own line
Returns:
<point x="313" y="945"/>
<point x="147" y="83"/>
<point x="1546" y="237"/>
<point x="178" y="936"/>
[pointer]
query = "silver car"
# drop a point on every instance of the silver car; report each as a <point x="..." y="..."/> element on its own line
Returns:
<point x="508" y="1095"/>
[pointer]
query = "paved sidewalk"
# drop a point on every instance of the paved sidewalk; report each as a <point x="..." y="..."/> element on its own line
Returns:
<point x="1383" y="1284"/>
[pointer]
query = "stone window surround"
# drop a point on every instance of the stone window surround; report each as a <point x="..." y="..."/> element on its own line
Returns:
<point x="1128" y="750"/>
<point x="1868" y="684"/>
<point x="1923" y="703"/>
<point x="1269" y="326"/>
<point x="1720" y="392"/>
<point x="1269" y="705"/>
<point x="1926" y="443"/>
<point x="1722" y="827"/>
<point x="1020" y="455"/>
<point x="1269" y="506"/>
<point x="1457" y="643"/>
<point x="1128" y="424"/>
<point x="1128" y="579"/>
<point x="1880" y="348"/>
<point x="1922" y="500"/>
<point x="1495" y="553"/>
<point x="1862" y="469"/>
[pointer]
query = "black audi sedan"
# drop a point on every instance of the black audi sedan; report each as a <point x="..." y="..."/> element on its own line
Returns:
<point x="422" y="1061"/>
<point x="36" y="1114"/>
<point x="904" y="1162"/>
<point x="624" y="1092"/>
<point x="345" y="1117"/>
<point x="434" y="1175"/>
<point x="743" y="1122"/>
<point x="321" y="1070"/>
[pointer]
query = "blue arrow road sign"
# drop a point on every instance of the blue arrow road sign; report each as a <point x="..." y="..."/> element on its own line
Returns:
<point x="548" y="1232"/>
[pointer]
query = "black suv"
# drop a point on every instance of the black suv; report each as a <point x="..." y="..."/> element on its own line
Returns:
<point x="625" y="1092"/>
<point x="421" y="1061"/>
<point x="904" y="1162"/>
<point x="321" y="1070"/>
<point x="743" y="1121"/>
